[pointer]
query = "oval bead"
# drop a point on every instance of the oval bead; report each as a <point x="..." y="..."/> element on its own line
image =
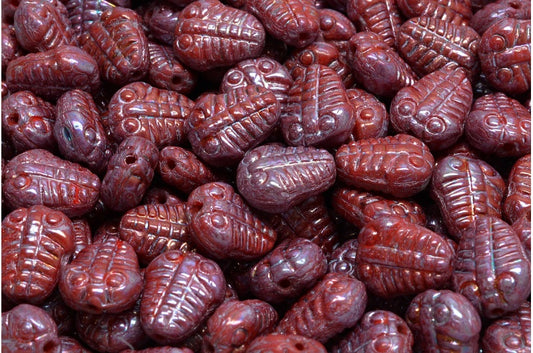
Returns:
<point x="273" y="178"/>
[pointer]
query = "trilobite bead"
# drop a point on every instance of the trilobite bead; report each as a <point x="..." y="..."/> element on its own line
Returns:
<point x="370" y="114"/>
<point x="181" y="169"/>
<point x="428" y="43"/>
<point x="36" y="242"/>
<point x="310" y="219"/>
<point x="399" y="165"/>
<point x="505" y="55"/>
<point x="28" y="121"/>
<point x="443" y="320"/>
<point x="129" y="173"/>
<point x="499" y="125"/>
<point x="435" y="108"/>
<point x="295" y="22"/>
<point x="498" y="10"/>
<point x="155" y="228"/>
<point x="378" y="16"/>
<point x="511" y="333"/>
<point x="28" y="328"/>
<point x="377" y="66"/>
<point x="224" y="227"/>
<point x="37" y="177"/>
<point x="273" y="178"/>
<point x="167" y="72"/>
<point x="455" y="11"/>
<point x="181" y="290"/>
<point x="234" y="324"/>
<point x="337" y="302"/>
<point x="262" y="71"/>
<point x="317" y="112"/>
<point x="159" y="115"/>
<point x="360" y="207"/>
<point x="491" y="268"/>
<point x="118" y="44"/>
<point x="222" y="127"/>
<point x="389" y="258"/>
<point x="463" y="188"/>
<point x="378" y="330"/>
<point x="291" y="268"/>
<point x="53" y="72"/>
<point x="210" y="34"/>
<point x="42" y="25"/>
<point x="80" y="132"/>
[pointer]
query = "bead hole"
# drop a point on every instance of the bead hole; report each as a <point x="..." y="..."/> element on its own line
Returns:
<point x="130" y="159"/>
<point x="13" y="119"/>
<point x="50" y="346"/>
<point x="299" y="346"/>
<point x="284" y="283"/>
<point x="176" y="80"/>
<point x="171" y="164"/>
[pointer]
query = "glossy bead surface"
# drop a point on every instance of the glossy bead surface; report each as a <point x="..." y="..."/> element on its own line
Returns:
<point x="360" y="207"/>
<point x="455" y="11"/>
<point x="378" y="331"/>
<point x="129" y="173"/>
<point x="36" y="243"/>
<point x="28" y="121"/>
<point x="336" y="29"/>
<point x="318" y="112"/>
<point x="428" y="43"/>
<point x="395" y="258"/>
<point x="37" y="177"/>
<point x="53" y="72"/>
<point x="155" y="228"/>
<point x="295" y="22"/>
<point x="285" y="343"/>
<point x="181" y="290"/>
<point x="161" y="18"/>
<point x="377" y="66"/>
<point x="234" y="324"/>
<point x="499" y="125"/>
<point x="497" y="10"/>
<point x="370" y="114"/>
<point x="79" y="131"/>
<point x="491" y="268"/>
<point x="262" y="71"/>
<point x="518" y="193"/>
<point x="104" y="278"/>
<point x="463" y="188"/>
<point x="118" y="44"/>
<point x="509" y="334"/>
<point x="167" y="72"/>
<point x="224" y="227"/>
<point x="222" y="127"/>
<point x="82" y="13"/>
<point x="291" y="268"/>
<point x="139" y="109"/>
<point x="337" y="302"/>
<point x="28" y="328"/>
<point x="399" y="165"/>
<point x="310" y="219"/>
<point x="210" y="34"/>
<point x="42" y="25"/>
<point x="322" y="53"/>
<point x="112" y="332"/>
<point x="505" y="55"/>
<point x="443" y="321"/>
<point x="273" y="178"/>
<point x="181" y="169"/>
<point x="10" y="47"/>
<point x="378" y="16"/>
<point x="435" y="108"/>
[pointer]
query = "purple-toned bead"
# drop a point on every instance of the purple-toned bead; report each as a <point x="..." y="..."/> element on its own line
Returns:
<point x="274" y="178"/>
